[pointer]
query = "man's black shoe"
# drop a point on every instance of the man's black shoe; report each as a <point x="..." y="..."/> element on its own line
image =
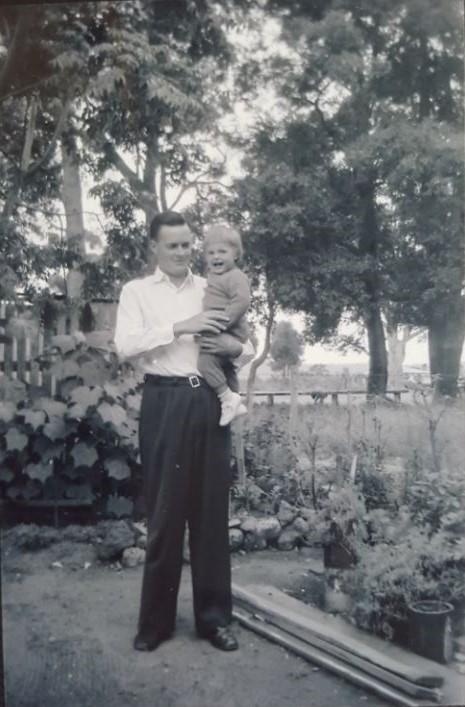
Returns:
<point x="223" y="639"/>
<point x="149" y="644"/>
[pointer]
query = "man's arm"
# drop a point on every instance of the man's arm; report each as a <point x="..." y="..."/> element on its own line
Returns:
<point x="133" y="338"/>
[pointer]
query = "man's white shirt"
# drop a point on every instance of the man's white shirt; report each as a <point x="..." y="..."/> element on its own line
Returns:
<point x="148" y="308"/>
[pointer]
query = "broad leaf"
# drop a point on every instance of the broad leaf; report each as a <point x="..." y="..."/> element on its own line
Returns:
<point x="7" y="411"/>
<point x="84" y="455"/>
<point x="80" y="491"/>
<point x="114" y="414"/>
<point x="6" y="474"/>
<point x="77" y="411"/>
<point x="39" y="472"/>
<point x="83" y="395"/>
<point x="47" y="449"/>
<point x="55" y="428"/>
<point x="35" y="418"/>
<point x="134" y="401"/>
<point x="117" y="468"/>
<point x="119" y="506"/>
<point x="93" y="372"/>
<point x="64" y="342"/>
<point x="51" y="407"/>
<point x="15" y="440"/>
<point x="65" y="369"/>
<point x="54" y="487"/>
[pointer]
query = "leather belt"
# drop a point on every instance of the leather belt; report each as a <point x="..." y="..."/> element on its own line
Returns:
<point x="192" y="381"/>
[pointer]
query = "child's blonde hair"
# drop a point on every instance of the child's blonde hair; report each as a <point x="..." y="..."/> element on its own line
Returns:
<point x="224" y="234"/>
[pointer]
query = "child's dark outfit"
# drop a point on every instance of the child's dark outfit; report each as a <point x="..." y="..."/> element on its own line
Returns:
<point x="228" y="292"/>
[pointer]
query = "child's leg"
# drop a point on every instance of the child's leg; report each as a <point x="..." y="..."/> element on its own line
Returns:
<point x="211" y="368"/>
<point x="216" y="370"/>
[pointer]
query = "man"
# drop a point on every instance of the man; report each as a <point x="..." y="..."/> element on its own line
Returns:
<point x="185" y="454"/>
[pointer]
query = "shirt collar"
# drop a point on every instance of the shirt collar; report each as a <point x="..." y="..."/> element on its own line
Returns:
<point x="160" y="276"/>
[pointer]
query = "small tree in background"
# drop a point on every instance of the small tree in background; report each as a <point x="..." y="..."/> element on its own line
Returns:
<point x="286" y="349"/>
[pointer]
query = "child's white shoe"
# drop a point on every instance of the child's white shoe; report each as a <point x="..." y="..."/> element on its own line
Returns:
<point x="231" y="407"/>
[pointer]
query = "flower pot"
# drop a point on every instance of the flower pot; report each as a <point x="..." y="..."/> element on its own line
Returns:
<point x="430" y="630"/>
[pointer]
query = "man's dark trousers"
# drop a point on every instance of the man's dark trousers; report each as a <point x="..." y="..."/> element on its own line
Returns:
<point x="185" y="458"/>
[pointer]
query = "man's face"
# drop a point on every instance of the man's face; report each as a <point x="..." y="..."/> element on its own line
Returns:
<point x="173" y="250"/>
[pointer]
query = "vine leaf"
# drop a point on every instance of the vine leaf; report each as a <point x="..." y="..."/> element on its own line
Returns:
<point x="114" y="414"/>
<point x="84" y="455"/>
<point x="53" y="408"/>
<point x="7" y="411"/>
<point x="15" y="440"/>
<point x="117" y="468"/>
<point x="6" y="474"/>
<point x="119" y="506"/>
<point x="35" y="418"/>
<point x="77" y="411"/>
<point x="39" y="472"/>
<point x="83" y="395"/>
<point x="55" y="428"/>
<point x="64" y="342"/>
<point x="80" y="491"/>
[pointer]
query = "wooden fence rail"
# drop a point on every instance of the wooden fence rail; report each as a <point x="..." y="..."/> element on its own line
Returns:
<point x="319" y="396"/>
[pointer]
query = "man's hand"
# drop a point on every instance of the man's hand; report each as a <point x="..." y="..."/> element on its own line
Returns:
<point x="221" y="345"/>
<point x="210" y="322"/>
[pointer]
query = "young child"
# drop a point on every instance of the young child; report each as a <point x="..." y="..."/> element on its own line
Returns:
<point x="228" y="290"/>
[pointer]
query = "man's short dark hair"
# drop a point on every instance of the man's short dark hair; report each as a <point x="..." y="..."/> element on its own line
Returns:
<point x="165" y="218"/>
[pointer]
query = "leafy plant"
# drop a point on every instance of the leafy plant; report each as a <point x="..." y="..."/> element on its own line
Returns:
<point x="81" y="446"/>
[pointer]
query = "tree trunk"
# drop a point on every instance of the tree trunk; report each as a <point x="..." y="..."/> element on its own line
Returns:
<point x="369" y="246"/>
<point x="446" y="334"/>
<point x="256" y="363"/>
<point x="378" y="366"/>
<point x="293" y="407"/>
<point x="71" y="194"/>
<point x="396" y="354"/>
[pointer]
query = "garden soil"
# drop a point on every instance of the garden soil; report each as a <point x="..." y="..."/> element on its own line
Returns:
<point x="68" y="631"/>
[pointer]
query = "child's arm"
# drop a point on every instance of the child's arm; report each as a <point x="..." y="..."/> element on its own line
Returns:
<point x="239" y="293"/>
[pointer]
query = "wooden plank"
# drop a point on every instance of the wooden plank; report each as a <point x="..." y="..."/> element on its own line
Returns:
<point x="328" y="662"/>
<point x="385" y="676"/>
<point x="275" y="609"/>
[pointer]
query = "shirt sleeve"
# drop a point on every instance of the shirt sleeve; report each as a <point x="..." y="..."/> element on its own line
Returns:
<point x="239" y="294"/>
<point x="132" y="337"/>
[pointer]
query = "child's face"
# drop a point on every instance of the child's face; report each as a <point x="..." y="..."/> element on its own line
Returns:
<point x="220" y="257"/>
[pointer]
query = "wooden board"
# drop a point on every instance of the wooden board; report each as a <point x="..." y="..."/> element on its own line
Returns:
<point x="338" y="667"/>
<point x="295" y="619"/>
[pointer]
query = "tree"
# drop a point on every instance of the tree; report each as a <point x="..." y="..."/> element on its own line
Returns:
<point x="286" y="348"/>
<point x="323" y="178"/>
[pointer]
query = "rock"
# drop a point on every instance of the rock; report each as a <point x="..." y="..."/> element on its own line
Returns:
<point x="288" y="539"/>
<point x="79" y="533"/>
<point x="249" y="525"/>
<point x="235" y="523"/>
<point x="236" y="539"/>
<point x="140" y="528"/>
<point x="32" y="537"/>
<point x="286" y="513"/>
<point x="133" y="556"/>
<point x="254" y="542"/>
<point x="142" y="542"/>
<point x="307" y="514"/>
<point x="115" y="536"/>
<point x="301" y="526"/>
<point x="268" y="528"/>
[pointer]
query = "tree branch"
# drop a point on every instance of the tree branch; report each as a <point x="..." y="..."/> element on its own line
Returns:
<point x="57" y="133"/>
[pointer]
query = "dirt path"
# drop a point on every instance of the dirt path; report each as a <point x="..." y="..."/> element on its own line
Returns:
<point x="68" y="633"/>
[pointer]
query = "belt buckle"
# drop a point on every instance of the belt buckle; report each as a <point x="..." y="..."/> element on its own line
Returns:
<point x="194" y="381"/>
